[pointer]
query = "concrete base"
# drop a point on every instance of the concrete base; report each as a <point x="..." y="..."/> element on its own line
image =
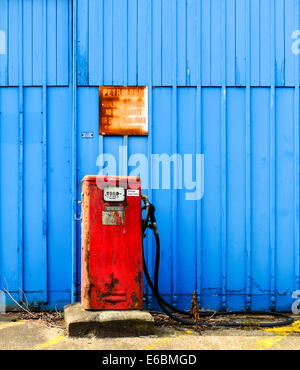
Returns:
<point x="81" y="323"/>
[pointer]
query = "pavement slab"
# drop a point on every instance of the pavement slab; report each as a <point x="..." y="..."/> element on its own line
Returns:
<point x="81" y="322"/>
<point x="37" y="335"/>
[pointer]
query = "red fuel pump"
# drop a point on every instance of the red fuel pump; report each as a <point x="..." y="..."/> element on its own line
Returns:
<point x="112" y="259"/>
<point x="111" y="246"/>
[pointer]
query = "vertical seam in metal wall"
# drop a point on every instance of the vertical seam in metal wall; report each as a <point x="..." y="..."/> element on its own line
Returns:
<point x="21" y="157"/>
<point x="7" y="46"/>
<point x="124" y="165"/>
<point x="56" y="42"/>
<point x="296" y="160"/>
<point x="224" y="165"/>
<point x="248" y="158"/>
<point x="272" y="164"/>
<point x="101" y="64"/>
<point x="209" y="43"/>
<point x="88" y="44"/>
<point x="259" y="32"/>
<point x="112" y="42"/>
<point x="31" y="56"/>
<point x="284" y="42"/>
<point x="125" y="43"/>
<point x="125" y="138"/>
<point x="199" y="151"/>
<point x="186" y="47"/>
<point x="174" y="202"/>
<point x="44" y="157"/>
<point x="161" y="42"/>
<point x="137" y="42"/>
<point x="174" y="150"/>
<point x="148" y="252"/>
<point x="74" y="147"/>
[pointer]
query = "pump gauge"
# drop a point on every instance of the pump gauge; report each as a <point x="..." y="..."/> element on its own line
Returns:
<point x="113" y="194"/>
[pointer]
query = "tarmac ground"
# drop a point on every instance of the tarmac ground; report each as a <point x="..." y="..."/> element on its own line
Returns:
<point x="19" y="333"/>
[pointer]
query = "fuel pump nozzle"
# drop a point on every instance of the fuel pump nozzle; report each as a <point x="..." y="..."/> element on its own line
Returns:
<point x="150" y="215"/>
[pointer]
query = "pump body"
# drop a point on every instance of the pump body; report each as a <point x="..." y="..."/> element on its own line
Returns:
<point x="111" y="243"/>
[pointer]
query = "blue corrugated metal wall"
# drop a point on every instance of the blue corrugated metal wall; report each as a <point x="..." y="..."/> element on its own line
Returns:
<point x="36" y="150"/>
<point x="223" y="81"/>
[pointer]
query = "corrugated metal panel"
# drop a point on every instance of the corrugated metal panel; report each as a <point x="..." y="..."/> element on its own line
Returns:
<point x="222" y="81"/>
<point x="175" y="32"/>
<point x="35" y="145"/>
<point x="29" y="26"/>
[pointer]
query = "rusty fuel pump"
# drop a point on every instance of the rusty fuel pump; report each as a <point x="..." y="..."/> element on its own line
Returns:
<point x="112" y="258"/>
<point x="112" y="264"/>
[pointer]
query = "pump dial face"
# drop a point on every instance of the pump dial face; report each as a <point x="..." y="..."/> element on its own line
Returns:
<point x="113" y="194"/>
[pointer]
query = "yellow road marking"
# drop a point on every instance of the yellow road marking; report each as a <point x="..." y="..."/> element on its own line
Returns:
<point x="283" y="332"/>
<point x="267" y="343"/>
<point x="149" y="347"/>
<point x="50" y="342"/>
<point x="10" y="324"/>
<point x="294" y="328"/>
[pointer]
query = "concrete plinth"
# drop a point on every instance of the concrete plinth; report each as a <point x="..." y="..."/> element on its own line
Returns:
<point x="81" y="323"/>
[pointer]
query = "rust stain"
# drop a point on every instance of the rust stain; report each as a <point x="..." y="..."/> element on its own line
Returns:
<point x="85" y="248"/>
<point x="123" y="110"/>
<point x="138" y="278"/>
<point x="194" y="308"/>
<point x="110" y="293"/>
<point x="113" y="282"/>
<point x="111" y="297"/>
<point x="134" y="300"/>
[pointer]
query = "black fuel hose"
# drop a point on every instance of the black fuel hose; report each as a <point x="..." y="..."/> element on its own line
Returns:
<point x="150" y="222"/>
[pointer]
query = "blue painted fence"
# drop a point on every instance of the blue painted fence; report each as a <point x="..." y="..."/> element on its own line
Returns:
<point x="223" y="81"/>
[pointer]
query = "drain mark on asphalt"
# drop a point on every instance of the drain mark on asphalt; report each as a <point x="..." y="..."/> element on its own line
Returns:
<point x="283" y="332"/>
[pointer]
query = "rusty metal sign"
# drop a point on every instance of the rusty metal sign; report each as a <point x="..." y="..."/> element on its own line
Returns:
<point x="112" y="218"/>
<point x="123" y="110"/>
